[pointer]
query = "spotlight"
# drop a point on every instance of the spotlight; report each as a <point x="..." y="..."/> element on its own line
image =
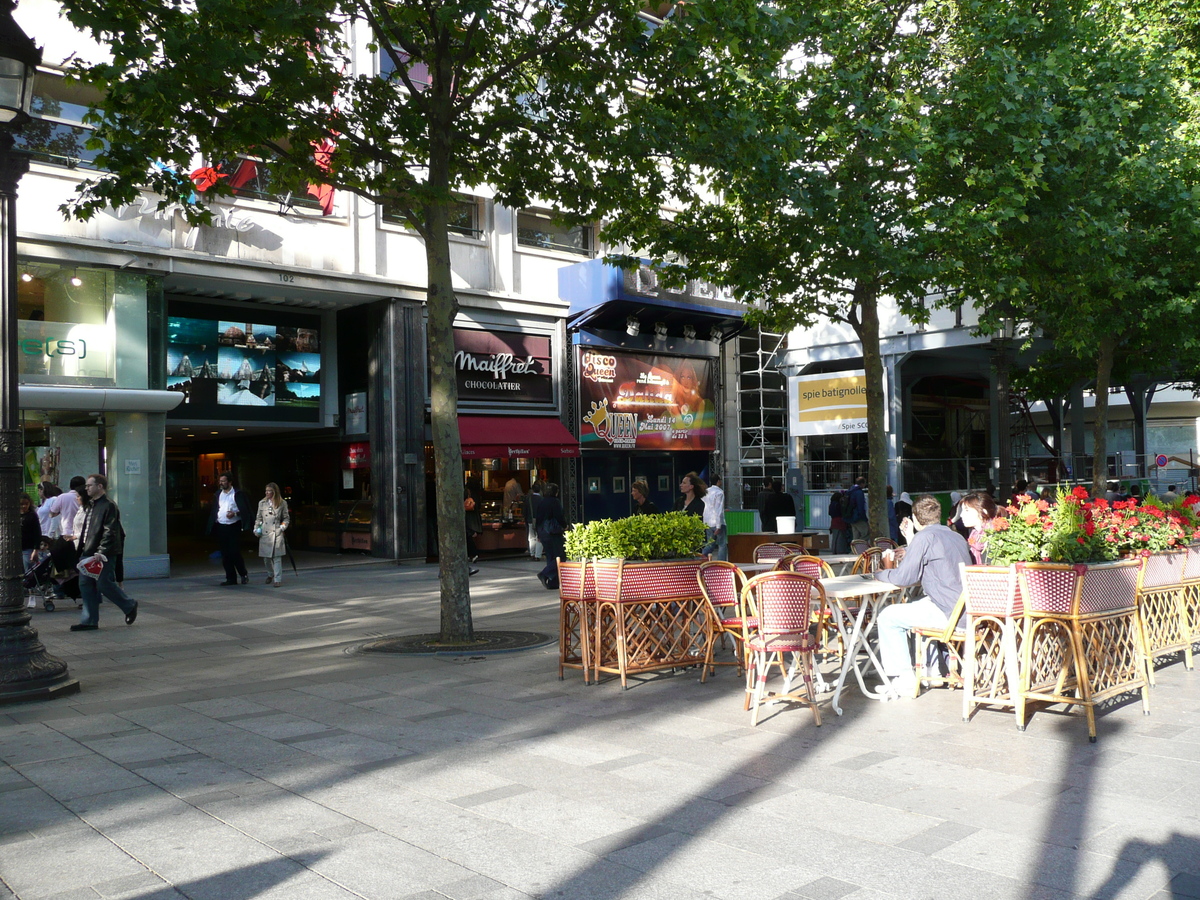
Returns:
<point x="660" y="329"/>
<point x="26" y="277"/>
<point x="716" y="334"/>
<point x="632" y="326"/>
<point x="689" y="332"/>
<point x="76" y="281"/>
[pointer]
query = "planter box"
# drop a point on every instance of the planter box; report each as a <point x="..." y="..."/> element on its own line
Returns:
<point x="648" y="616"/>
<point x="1163" y="609"/>
<point x="576" y="616"/>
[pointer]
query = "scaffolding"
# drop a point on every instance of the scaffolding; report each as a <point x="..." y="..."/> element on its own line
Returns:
<point x="762" y="414"/>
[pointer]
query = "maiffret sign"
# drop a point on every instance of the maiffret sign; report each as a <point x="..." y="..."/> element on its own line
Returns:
<point x="503" y="366"/>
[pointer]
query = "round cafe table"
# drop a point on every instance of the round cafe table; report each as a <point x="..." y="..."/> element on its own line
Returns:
<point x="871" y="594"/>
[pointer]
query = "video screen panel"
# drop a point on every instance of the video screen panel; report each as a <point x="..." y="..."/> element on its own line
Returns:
<point x="267" y="368"/>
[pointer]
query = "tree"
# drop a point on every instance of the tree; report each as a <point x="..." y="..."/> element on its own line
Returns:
<point x="803" y="200"/>
<point x="531" y="98"/>
<point x="1066" y="139"/>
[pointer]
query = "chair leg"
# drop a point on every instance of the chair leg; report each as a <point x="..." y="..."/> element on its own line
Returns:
<point x="807" y="672"/>
<point x="762" y="664"/>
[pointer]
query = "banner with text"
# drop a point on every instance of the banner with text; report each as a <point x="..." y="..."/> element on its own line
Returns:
<point x="502" y="366"/>
<point x="645" y="402"/>
<point x="833" y="403"/>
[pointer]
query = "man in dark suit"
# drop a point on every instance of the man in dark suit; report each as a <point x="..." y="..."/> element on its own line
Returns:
<point x="229" y="514"/>
<point x="773" y="503"/>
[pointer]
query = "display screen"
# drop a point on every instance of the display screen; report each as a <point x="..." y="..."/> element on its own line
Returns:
<point x="645" y="402"/>
<point x="268" y="367"/>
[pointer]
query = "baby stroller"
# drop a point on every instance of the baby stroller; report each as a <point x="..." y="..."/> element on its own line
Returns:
<point x="54" y="576"/>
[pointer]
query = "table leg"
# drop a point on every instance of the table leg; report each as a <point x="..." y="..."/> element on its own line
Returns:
<point x="851" y="641"/>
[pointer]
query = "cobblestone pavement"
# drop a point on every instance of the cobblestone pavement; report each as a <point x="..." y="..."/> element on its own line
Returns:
<point x="232" y="744"/>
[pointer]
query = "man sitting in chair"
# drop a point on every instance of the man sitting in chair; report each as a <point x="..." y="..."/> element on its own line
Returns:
<point x="933" y="557"/>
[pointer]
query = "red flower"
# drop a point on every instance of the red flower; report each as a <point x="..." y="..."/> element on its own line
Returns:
<point x="1089" y="529"/>
<point x="1043" y="506"/>
<point x="1080" y="492"/>
<point x="999" y="524"/>
<point x="1080" y="540"/>
<point x="1191" y="501"/>
<point x="1031" y="519"/>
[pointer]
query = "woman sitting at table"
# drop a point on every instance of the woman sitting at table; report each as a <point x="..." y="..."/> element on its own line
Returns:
<point x="932" y="559"/>
<point x="976" y="512"/>
<point x="693" y="491"/>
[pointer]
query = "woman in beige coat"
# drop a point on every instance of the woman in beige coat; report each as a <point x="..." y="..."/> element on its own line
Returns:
<point x="269" y="524"/>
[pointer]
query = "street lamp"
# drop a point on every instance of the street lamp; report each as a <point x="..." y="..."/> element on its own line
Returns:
<point x="27" y="671"/>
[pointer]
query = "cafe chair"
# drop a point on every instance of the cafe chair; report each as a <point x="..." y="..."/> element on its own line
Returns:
<point x="812" y="566"/>
<point x="791" y="547"/>
<point x="721" y="584"/>
<point x="885" y="543"/>
<point x="859" y="546"/>
<point x="953" y="637"/>
<point x="778" y="606"/>
<point x="769" y="552"/>
<point x="869" y="562"/>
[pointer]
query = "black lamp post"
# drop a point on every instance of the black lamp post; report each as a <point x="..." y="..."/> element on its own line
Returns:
<point x="27" y="671"/>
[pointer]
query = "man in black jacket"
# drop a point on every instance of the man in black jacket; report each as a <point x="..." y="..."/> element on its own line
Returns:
<point x="101" y="538"/>
<point x="229" y="514"/>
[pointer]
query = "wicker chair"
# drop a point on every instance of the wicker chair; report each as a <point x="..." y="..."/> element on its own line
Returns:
<point x="778" y="606"/>
<point x="721" y="584"/>
<point x="885" y="543"/>
<point x="953" y="637"/>
<point x="860" y="546"/>
<point x="868" y="562"/>
<point x="769" y="552"/>
<point x="1082" y="643"/>
<point x="791" y="547"/>
<point x="813" y="566"/>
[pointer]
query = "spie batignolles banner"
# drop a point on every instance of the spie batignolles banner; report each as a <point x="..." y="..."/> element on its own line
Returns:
<point x="633" y="402"/>
<point x="833" y="403"/>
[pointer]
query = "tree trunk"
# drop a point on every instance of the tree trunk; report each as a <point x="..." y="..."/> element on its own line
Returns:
<point x="1004" y="478"/>
<point x="1104" y="366"/>
<point x="456" y="625"/>
<point x="867" y="299"/>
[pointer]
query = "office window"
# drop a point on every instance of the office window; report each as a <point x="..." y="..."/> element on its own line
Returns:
<point x="466" y="217"/>
<point x="538" y="229"/>
<point x="57" y="133"/>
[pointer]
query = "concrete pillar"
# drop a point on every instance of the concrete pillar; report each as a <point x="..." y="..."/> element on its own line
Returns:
<point x="135" y="446"/>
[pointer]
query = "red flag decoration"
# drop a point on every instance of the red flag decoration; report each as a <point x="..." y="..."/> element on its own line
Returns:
<point x="246" y="172"/>
<point x="322" y="154"/>
<point x="205" y="177"/>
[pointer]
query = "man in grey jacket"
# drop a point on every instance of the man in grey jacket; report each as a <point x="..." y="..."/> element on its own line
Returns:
<point x="101" y="537"/>
<point x="932" y="559"/>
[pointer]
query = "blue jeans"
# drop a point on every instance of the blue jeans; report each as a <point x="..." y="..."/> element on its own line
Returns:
<point x="717" y="542"/>
<point x="91" y="589"/>
<point x="894" y="622"/>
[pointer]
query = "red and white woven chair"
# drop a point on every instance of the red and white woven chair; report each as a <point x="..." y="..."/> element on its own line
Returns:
<point x="721" y="584"/>
<point x="778" y="606"/>
<point x="1082" y="643"/>
<point x="869" y="562"/>
<point x="885" y="543"/>
<point x="769" y="552"/>
<point x="859" y="546"/>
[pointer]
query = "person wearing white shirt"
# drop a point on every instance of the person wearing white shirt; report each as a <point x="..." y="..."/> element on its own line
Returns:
<point x="69" y="506"/>
<point x="714" y="521"/>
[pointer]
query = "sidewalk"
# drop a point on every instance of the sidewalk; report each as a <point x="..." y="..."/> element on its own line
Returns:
<point x="232" y="744"/>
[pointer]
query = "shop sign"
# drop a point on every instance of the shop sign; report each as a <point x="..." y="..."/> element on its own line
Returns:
<point x="355" y="418"/>
<point x="502" y="366"/>
<point x="356" y="455"/>
<point x="833" y="403"/>
<point x="646" y="402"/>
<point x="50" y="351"/>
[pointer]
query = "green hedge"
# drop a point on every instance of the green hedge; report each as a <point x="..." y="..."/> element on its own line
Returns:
<point x="666" y="536"/>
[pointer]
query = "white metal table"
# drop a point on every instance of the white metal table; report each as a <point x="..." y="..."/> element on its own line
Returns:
<point x="841" y="563"/>
<point x="872" y="594"/>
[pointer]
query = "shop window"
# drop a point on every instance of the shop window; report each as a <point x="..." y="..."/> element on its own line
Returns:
<point x="539" y="229"/>
<point x="64" y="327"/>
<point x="465" y="217"/>
<point x="57" y="133"/>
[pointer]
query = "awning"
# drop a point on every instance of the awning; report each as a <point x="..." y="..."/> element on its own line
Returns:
<point x="493" y="436"/>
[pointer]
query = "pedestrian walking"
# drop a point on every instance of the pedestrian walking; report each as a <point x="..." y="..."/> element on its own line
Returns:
<point x="48" y="509"/>
<point x="529" y="511"/>
<point x="552" y="529"/>
<point x="473" y="524"/>
<point x="31" y="532"/>
<point x="270" y="522"/>
<point x="229" y="515"/>
<point x="101" y="541"/>
<point x="715" y="531"/>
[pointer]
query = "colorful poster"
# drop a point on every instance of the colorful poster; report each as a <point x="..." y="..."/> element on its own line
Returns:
<point x="632" y="402"/>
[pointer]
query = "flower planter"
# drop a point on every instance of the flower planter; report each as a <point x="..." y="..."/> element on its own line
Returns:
<point x="576" y="615"/>
<point x="995" y="619"/>
<point x="648" y="616"/>
<point x="1191" y="592"/>
<point x="1082" y="642"/>
<point x="1162" y="609"/>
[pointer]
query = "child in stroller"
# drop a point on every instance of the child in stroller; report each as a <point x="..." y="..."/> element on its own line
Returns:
<point x="53" y="577"/>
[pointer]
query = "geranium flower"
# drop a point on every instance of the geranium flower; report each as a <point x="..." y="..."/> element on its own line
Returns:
<point x="1080" y="492"/>
<point x="1031" y="519"/>
<point x="1191" y="501"/>
<point x="999" y="524"/>
<point x="1043" y="506"/>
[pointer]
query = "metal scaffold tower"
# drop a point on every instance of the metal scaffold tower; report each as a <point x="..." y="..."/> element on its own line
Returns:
<point x="762" y="410"/>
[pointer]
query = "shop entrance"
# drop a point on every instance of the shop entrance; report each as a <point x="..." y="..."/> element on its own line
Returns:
<point x="608" y="476"/>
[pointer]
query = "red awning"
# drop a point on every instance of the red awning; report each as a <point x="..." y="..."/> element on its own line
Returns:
<point x="492" y="436"/>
